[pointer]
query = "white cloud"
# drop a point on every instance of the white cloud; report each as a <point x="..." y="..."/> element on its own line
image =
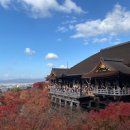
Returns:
<point x="39" y="8"/>
<point x="116" y="22"/>
<point x="29" y="51"/>
<point x="100" y="40"/>
<point x="62" y="29"/>
<point x="69" y="6"/>
<point x="51" y="56"/>
<point x="63" y="66"/>
<point x="66" y="28"/>
<point x="50" y="65"/>
<point x="5" y="3"/>
<point x="72" y="21"/>
<point x="44" y="8"/>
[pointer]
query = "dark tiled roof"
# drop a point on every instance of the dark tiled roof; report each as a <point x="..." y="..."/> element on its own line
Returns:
<point x="121" y="51"/>
<point x="101" y="74"/>
<point x="115" y="67"/>
<point x="59" y="72"/>
<point x="85" y="66"/>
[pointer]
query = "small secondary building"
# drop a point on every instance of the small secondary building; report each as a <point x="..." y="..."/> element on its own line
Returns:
<point x="95" y="82"/>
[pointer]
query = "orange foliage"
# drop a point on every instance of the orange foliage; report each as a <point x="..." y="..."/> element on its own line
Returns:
<point x="114" y="117"/>
<point x="40" y="85"/>
<point x="31" y="110"/>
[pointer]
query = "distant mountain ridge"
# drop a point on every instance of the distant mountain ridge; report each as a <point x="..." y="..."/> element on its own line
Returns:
<point x="21" y="80"/>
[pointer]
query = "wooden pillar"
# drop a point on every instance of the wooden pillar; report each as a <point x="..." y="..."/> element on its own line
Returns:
<point x="120" y="83"/>
<point x="89" y="105"/>
<point x="51" y="98"/>
<point x="114" y="91"/>
<point x="81" y="87"/>
<point x="78" y="105"/>
<point x="97" y="83"/>
<point x="54" y="99"/>
<point x="71" y="104"/>
<point x="59" y="101"/>
<point x="65" y="102"/>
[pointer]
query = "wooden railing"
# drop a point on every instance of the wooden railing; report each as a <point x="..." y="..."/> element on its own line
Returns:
<point x="64" y="93"/>
<point x="116" y="92"/>
<point x="77" y="94"/>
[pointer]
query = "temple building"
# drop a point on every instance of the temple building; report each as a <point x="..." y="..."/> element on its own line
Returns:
<point x="95" y="82"/>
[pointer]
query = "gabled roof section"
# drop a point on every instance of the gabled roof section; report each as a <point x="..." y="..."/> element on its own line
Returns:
<point x="85" y="65"/>
<point x="59" y="72"/>
<point x="117" y="66"/>
<point x="56" y="73"/>
<point x="107" y="67"/>
<point x="121" y="51"/>
<point x="100" y="67"/>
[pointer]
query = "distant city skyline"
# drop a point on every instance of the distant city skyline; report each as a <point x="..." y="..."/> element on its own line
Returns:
<point x="36" y="35"/>
<point x="21" y="81"/>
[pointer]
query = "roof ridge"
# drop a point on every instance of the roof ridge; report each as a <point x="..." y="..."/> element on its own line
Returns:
<point x="89" y="57"/>
<point x="60" y="68"/>
<point x="120" y="44"/>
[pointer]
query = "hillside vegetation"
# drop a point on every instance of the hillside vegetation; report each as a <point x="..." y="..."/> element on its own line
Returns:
<point x="31" y="110"/>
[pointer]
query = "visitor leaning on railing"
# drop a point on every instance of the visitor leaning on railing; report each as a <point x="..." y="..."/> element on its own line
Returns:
<point x="88" y="90"/>
<point x="65" y="90"/>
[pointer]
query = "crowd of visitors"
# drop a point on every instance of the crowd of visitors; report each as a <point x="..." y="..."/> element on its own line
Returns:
<point x="88" y="89"/>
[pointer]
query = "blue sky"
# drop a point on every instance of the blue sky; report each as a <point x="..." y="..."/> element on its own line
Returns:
<point x="36" y="35"/>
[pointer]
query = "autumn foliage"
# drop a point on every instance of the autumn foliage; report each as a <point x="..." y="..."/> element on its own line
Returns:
<point x="40" y="85"/>
<point x="31" y="110"/>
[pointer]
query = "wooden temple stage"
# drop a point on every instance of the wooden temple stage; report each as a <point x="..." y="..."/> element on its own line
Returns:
<point x="95" y="82"/>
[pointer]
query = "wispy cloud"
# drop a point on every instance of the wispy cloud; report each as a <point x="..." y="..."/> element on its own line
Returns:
<point x="72" y="21"/>
<point x="115" y="23"/>
<point x="62" y="29"/>
<point x="63" y="66"/>
<point x="44" y="8"/>
<point x="50" y="65"/>
<point x="5" y="3"/>
<point x="65" y="28"/>
<point x="100" y="40"/>
<point x="69" y="6"/>
<point x="29" y="51"/>
<point x="51" y="56"/>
